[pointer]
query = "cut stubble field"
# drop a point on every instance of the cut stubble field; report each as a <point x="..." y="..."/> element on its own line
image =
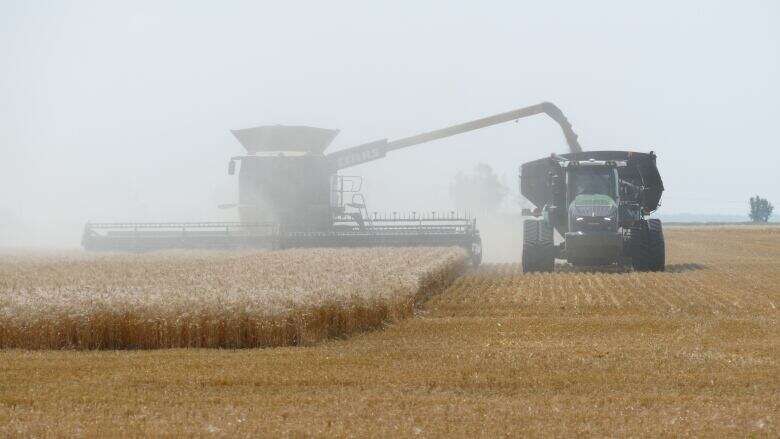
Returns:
<point x="693" y="351"/>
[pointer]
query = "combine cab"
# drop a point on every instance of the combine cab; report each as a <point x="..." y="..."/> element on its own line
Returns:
<point x="598" y="201"/>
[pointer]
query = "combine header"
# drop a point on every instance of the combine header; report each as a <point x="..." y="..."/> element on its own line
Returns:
<point x="292" y="195"/>
<point x="432" y="231"/>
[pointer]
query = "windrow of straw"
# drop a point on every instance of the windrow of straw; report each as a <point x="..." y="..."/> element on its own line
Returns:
<point x="212" y="299"/>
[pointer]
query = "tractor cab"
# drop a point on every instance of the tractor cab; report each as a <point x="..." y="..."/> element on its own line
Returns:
<point x="592" y="203"/>
<point x="592" y="196"/>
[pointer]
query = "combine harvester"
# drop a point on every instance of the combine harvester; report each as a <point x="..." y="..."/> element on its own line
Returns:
<point x="292" y="195"/>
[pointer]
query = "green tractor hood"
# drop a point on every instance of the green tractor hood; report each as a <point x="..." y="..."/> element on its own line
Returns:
<point x="587" y="200"/>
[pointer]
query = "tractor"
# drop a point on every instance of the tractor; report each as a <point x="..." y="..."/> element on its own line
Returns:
<point x="599" y="203"/>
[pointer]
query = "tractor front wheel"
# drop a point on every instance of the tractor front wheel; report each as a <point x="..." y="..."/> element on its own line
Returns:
<point x="538" y="247"/>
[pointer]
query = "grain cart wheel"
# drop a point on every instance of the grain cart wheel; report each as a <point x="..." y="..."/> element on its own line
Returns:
<point x="538" y="246"/>
<point x="650" y="249"/>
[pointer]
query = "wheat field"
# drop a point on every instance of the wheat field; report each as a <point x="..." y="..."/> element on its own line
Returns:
<point x="211" y="299"/>
<point x="693" y="351"/>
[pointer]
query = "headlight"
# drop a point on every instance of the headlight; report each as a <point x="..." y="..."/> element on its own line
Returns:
<point x="607" y="218"/>
<point x="579" y="218"/>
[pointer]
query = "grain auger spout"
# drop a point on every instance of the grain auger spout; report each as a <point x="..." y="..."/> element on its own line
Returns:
<point x="290" y="194"/>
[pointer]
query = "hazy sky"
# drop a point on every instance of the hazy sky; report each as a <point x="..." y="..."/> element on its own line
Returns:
<point x="114" y="110"/>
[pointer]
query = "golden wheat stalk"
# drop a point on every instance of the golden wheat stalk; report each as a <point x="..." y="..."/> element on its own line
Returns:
<point x="212" y="299"/>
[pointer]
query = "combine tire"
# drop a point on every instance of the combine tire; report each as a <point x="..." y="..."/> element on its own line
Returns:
<point x="476" y="251"/>
<point x="650" y="252"/>
<point x="538" y="246"/>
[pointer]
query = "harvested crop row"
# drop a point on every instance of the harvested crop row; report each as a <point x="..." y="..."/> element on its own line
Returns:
<point x="212" y="299"/>
<point x="710" y="272"/>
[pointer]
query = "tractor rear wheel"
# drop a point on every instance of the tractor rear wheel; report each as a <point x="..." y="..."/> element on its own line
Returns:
<point x="650" y="251"/>
<point x="538" y="246"/>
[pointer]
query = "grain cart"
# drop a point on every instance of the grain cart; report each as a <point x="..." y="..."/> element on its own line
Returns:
<point x="290" y="194"/>
<point x="599" y="202"/>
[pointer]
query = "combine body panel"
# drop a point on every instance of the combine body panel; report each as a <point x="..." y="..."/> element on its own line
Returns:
<point x="598" y="201"/>
<point x="290" y="190"/>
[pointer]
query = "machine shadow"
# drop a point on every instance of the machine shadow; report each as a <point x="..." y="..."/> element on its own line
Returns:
<point x="682" y="268"/>
<point x="614" y="269"/>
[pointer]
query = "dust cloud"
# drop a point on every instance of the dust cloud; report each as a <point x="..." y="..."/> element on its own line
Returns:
<point x="502" y="237"/>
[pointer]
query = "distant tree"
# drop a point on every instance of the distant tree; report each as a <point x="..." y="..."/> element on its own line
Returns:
<point x="479" y="190"/>
<point x="760" y="209"/>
